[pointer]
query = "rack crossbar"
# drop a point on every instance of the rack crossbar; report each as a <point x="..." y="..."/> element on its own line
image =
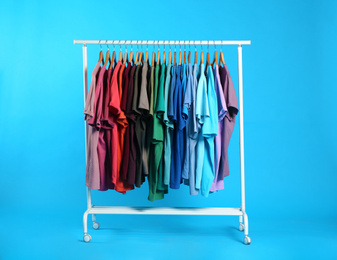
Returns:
<point x="165" y="211"/>
<point x="125" y="42"/>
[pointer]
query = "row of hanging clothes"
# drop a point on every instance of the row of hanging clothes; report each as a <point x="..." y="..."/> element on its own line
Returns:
<point x="166" y="121"/>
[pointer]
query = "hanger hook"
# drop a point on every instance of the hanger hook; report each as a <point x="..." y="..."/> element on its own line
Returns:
<point x="158" y="46"/>
<point x="120" y="46"/>
<point x="169" y="45"/>
<point x="100" y="44"/>
<point x="221" y="46"/>
<point x="184" y="45"/>
<point x="179" y="45"/>
<point x="195" y="46"/>
<point x="107" y="45"/>
<point x="189" y="45"/>
<point x="147" y="45"/>
<point x="201" y="45"/>
<point x="208" y="46"/>
<point x="214" y="45"/>
<point x="164" y="45"/>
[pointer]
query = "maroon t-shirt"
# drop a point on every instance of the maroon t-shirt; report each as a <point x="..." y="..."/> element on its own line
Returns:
<point x="125" y="86"/>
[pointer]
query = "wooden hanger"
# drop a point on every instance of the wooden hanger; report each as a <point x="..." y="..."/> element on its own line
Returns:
<point x="100" y="58"/>
<point x="107" y="58"/>
<point x="189" y="56"/>
<point x="131" y="55"/>
<point x="140" y="58"/>
<point x="202" y="58"/>
<point x="208" y="59"/>
<point x="112" y="59"/>
<point x="175" y="56"/>
<point x="158" y="55"/>
<point x="164" y="54"/>
<point x="146" y="53"/>
<point x="221" y="59"/>
<point x="153" y="57"/>
<point x="184" y="56"/>
<point x="120" y="58"/>
<point x="125" y="60"/>
<point x="195" y="57"/>
<point x="136" y="58"/>
<point x="180" y="57"/>
<point x="170" y="56"/>
<point x="184" y="53"/>
<point x="215" y="61"/>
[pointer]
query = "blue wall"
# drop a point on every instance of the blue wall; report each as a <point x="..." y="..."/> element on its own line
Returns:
<point x="289" y="92"/>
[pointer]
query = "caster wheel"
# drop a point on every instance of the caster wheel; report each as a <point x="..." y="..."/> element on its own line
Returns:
<point x="95" y="225"/>
<point x="87" y="238"/>
<point x="242" y="227"/>
<point x="247" y="240"/>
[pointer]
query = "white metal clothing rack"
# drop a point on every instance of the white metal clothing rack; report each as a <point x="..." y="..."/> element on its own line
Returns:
<point x="223" y="211"/>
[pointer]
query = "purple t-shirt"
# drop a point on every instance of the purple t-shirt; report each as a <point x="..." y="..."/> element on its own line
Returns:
<point x="218" y="183"/>
<point x="229" y="122"/>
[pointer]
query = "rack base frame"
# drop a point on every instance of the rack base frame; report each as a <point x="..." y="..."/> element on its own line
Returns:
<point x="204" y="211"/>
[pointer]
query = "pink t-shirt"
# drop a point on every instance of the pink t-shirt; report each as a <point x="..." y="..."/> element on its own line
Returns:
<point x="92" y="177"/>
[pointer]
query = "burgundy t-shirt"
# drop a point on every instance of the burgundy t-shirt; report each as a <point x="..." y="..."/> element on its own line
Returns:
<point x="229" y="120"/>
<point x="107" y="124"/>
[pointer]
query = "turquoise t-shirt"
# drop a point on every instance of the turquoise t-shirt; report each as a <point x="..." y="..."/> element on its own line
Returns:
<point x="168" y="127"/>
<point x="209" y="131"/>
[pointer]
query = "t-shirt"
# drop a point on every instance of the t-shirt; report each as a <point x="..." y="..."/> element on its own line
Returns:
<point x="107" y="125"/>
<point x="115" y="109"/>
<point x="168" y="126"/>
<point x="126" y="79"/>
<point x="140" y="177"/>
<point x="130" y="155"/>
<point x="218" y="183"/>
<point x="156" y="145"/>
<point x="147" y="114"/>
<point x="178" y="137"/>
<point x="191" y="128"/>
<point x="202" y="114"/>
<point x="122" y="123"/>
<point x="229" y="122"/>
<point x="184" y="114"/>
<point x="92" y="175"/>
<point x="160" y="110"/>
<point x="209" y="131"/>
<point x="95" y="121"/>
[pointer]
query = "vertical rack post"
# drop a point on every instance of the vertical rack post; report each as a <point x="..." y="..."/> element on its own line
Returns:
<point x="85" y="88"/>
<point x="242" y="156"/>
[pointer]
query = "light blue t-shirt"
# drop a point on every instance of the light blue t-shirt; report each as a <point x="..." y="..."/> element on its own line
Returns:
<point x="209" y="131"/>
<point x="192" y="129"/>
<point x="202" y="114"/>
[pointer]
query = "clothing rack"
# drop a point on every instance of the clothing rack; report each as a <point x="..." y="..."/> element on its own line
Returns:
<point x="219" y="211"/>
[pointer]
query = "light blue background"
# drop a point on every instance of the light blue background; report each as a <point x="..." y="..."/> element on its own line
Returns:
<point x="289" y="75"/>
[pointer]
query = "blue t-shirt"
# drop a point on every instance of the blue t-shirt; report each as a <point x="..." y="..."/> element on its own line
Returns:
<point x="184" y="73"/>
<point x="178" y="136"/>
